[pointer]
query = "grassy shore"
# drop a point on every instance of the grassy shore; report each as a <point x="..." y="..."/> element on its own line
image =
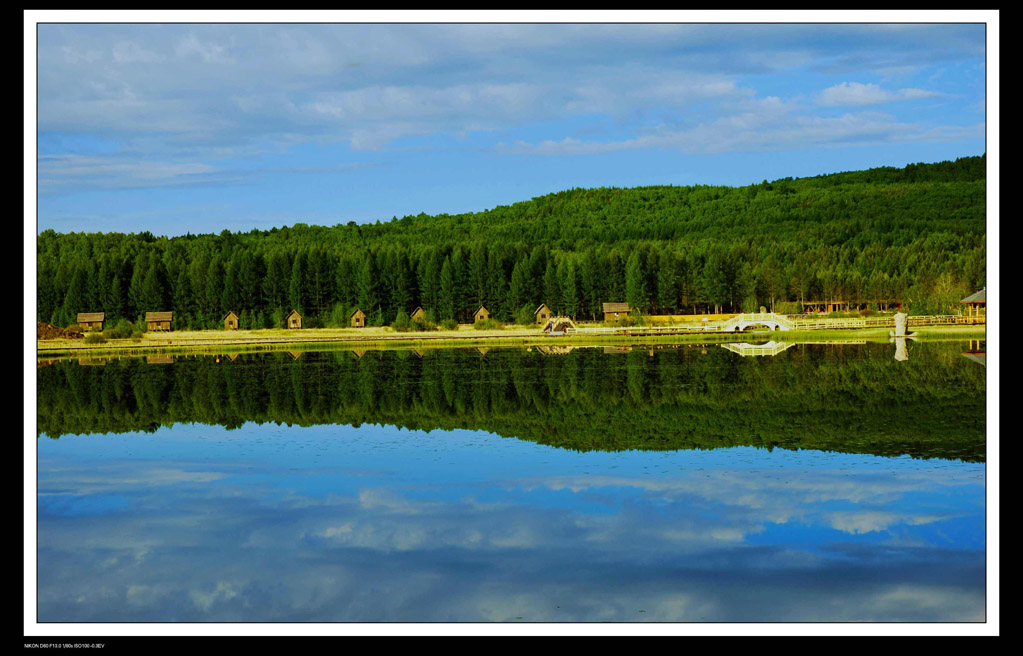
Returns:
<point x="241" y="341"/>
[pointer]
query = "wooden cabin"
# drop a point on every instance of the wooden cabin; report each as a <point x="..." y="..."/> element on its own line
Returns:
<point x="419" y="314"/>
<point x="542" y="314"/>
<point x="231" y="321"/>
<point x="358" y="319"/>
<point x="976" y="304"/>
<point x="480" y="314"/>
<point x="293" y="320"/>
<point x="615" y="311"/>
<point x="159" y="320"/>
<point x="91" y="320"/>
<point x="826" y="306"/>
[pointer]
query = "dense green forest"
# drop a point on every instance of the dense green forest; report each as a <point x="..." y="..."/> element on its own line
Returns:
<point x="849" y="398"/>
<point x="915" y="234"/>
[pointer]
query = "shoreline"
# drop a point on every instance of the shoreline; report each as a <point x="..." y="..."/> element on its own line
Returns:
<point x="205" y="342"/>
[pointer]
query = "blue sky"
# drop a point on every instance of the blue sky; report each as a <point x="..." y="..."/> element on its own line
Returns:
<point x="178" y="128"/>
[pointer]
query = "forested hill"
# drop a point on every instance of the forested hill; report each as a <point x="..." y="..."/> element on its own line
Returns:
<point x="916" y="234"/>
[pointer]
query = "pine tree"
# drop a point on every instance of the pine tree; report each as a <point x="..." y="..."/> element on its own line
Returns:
<point x="635" y="283"/>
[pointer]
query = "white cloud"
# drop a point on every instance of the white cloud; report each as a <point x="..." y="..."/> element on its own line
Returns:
<point x="855" y="93"/>
<point x="208" y="50"/>
<point x="858" y="522"/>
<point x="126" y="52"/>
<point x="179" y="99"/>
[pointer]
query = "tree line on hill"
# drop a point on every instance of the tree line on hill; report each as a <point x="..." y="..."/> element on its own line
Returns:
<point x="915" y="234"/>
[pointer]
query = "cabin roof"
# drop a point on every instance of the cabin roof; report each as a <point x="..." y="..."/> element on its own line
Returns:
<point x="542" y="306"/>
<point x="295" y="312"/>
<point x="159" y="316"/>
<point x="979" y="297"/>
<point x="616" y="307"/>
<point x="357" y="311"/>
<point x="229" y="315"/>
<point x="87" y="317"/>
<point x="480" y="308"/>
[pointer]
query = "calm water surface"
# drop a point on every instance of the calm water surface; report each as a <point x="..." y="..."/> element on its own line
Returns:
<point x="824" y="483"/>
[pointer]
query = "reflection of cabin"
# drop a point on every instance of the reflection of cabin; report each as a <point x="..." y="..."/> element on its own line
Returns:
<point x="617" y="349"/>
<point x="976" y="304"/>
<point x="295" y="355"/>
<point x="232" y="356"/>
<point x="159" y="359"/>
<point x="358" y="319"/>
<point x="481" y="314"/>
<point x="293" y="320"/>
<point x="159" y="320"/>
<point x="977" y="352"/>
<point x="91" y="362"/>
<point x="91" y="320"/>
<point x="482" y="350"/>
<point x="615" y="311"/>
<point x="543" y="313"/>
<point x="231" y="321"/>
<point x="359" y="354"/>
<point x="419" y="314"/>
<point x="417" y="353"/>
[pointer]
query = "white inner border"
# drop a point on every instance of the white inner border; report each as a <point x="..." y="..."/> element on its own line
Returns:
<point x="990" y="17"/>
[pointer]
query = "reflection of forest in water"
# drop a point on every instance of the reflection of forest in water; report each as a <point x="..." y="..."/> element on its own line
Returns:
<point x="850" y="398"/>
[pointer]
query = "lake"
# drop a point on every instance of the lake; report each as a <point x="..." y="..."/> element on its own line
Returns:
<point x="822" y="482"/>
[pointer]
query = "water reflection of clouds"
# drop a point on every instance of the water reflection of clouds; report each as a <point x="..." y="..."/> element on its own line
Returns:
<point x="204" y="543"/>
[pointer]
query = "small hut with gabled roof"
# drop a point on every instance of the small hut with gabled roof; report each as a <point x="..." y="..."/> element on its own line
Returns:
<point x="480" y="314"/>
<point x="231" y="321"/>
<point x="293" y="320"/>
<point x="419" y="314"/>
<point x="615" y="311"/>
<point x="358" y="319"/>
<point x="91" y="320"/>
<point x="159" y="320"/>
<point x="542" y="314"/>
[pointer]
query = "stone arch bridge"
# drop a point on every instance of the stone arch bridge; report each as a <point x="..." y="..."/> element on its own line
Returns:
<point x="770" y="320"/>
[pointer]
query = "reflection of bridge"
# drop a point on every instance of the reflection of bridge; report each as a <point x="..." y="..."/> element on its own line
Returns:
<point x="768" y="319"/>
<point x="770" y="348"/>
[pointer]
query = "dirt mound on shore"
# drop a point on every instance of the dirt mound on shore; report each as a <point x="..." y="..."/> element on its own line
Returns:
<point x="46" y="331"/>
